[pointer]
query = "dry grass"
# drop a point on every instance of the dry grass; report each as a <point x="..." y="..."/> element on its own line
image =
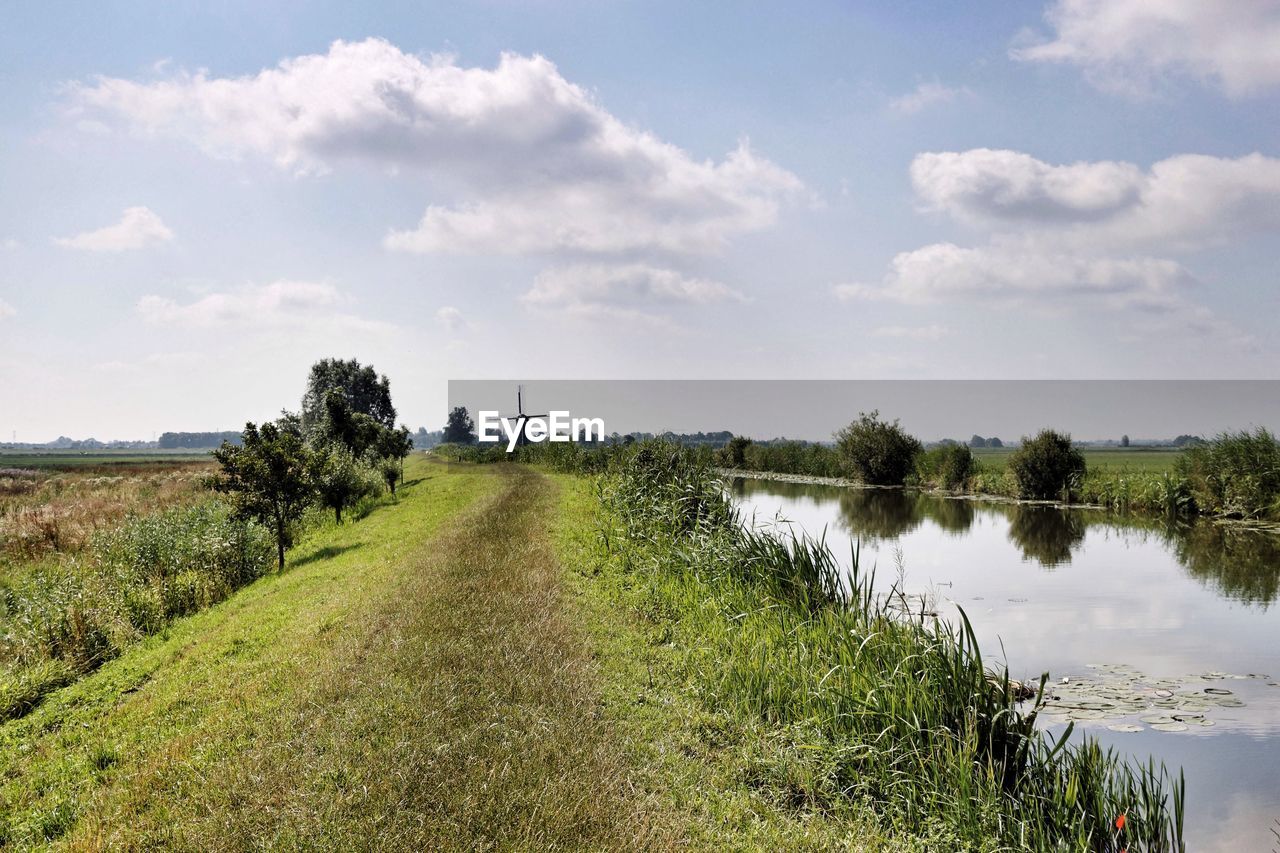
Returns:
<point x="49" y="512"/>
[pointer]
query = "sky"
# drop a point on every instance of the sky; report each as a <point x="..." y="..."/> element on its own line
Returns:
<point x="199" y="200"/>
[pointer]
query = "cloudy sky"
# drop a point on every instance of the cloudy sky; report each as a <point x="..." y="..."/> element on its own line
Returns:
<point x="199" y="200"/>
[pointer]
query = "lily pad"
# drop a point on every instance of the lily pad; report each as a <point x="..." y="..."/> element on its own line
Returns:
<point x="1169" y="727"/>
<point x="1217" y="691"/>
<point x="1158" y="719"/>
<point x="1125" y="727"/>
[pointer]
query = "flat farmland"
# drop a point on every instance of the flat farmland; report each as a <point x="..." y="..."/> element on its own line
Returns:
<point x="1133" y="459"/>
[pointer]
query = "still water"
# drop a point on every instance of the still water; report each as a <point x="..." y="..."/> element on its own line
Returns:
<point x="1150" y="623"/>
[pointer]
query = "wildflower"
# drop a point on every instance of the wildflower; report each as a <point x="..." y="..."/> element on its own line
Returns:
<point x="1120" y="821"/>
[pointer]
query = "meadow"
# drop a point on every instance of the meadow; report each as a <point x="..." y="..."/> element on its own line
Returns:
<point x="1135" y="460"/>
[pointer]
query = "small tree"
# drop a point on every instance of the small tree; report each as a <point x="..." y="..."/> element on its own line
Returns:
<point x="878" y="452"/>
<point x="392" y="447"/>
<point x="1124" y="441"/>
<point x="1047" y="467"/>
<point x="339" y="479"/>
<point x="268" y="479"/>
<point x="733" y="454"/>
<point x="460" y="429"/>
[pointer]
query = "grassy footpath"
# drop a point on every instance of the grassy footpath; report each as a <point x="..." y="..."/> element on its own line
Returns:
<point x="408" y="681"/>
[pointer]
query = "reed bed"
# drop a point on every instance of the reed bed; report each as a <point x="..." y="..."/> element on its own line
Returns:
<point x="881" y="706"/>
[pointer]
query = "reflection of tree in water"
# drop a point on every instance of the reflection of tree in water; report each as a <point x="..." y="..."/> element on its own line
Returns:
<point x="954" y="515"/>
<point x="1045" y="534"/>
<point x="1239" y="563"/>
<point x="746" y="487"/>
<point x="873" y="514"/>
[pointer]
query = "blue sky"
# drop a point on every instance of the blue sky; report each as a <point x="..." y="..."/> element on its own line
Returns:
<point x="199" y="200"/>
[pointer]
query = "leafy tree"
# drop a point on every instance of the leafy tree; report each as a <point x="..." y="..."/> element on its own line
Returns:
<point x="392" y="447"/>
<point x="364" y="391"/>
<point x="733" y="454"/>
<point x="946" y="466"/>
<point x="977" y="441"/>
<point x="268" y="479"/>
<point x="879" y="453"/>
<point x="341" y="424"/>
<point x="460" y="428"/>
<point x="339" y="478"/>
<point x="1047" y="467"/>
<point x="1124" y="441"/>
<point x="994" y="442"/>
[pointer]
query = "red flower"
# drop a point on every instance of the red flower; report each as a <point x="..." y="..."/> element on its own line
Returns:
<point x="1120" y="822"/>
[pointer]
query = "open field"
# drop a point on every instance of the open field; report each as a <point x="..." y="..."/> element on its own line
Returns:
<point x="1120" y="459"/>
<point x="74" y="459"/>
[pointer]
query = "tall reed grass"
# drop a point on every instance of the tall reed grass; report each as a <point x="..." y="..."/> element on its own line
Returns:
<point x="883" y="706"/>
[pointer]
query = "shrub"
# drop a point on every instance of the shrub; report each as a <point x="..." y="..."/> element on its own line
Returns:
<point x="946" y="467"/>
<point x="1047" y="467"/>
<point x="877" y="452"/>
<point x="733" y="454"/>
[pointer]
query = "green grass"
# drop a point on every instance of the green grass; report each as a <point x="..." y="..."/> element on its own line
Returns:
<point x="1120" y="459"/>
<point x="852" y="711"/>
<point x="72" y="459"/>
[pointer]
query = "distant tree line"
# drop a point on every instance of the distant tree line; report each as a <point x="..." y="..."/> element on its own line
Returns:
<point x="197" y="440"/>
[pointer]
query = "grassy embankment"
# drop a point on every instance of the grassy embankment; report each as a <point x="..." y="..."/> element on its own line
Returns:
<point x="410" y="680"/>
<point x="830" y="711"/>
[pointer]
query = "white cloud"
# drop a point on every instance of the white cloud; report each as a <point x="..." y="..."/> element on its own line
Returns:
<point x="926" y="95"/>
<point x="451" y="318"/>
<point x="6" y="310"/>
<point x="281" y="303"/>
<point x="932" y="332"/>
<point x="138" y="228"/>
<point x="1185" y="201"/>
<point x="536" y="163"/>
<point x="945" y="271"/>
<point x="628" y="288"/>
<point x="1128" y="45"/>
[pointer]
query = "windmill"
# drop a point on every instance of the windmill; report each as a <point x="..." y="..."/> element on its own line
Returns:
<point x="520" y="417"/>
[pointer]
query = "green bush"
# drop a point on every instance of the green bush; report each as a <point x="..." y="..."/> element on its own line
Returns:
<point x="877" y="452"/>
<point x="1047" y="467"/>
<point x="945" y="467"/>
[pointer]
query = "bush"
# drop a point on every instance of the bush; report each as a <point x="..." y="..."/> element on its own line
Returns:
<point x="1047" y="467"/>
<point x="1235" y="474"/>
<point x="946" y="467"/>
<point x="877" y="452"/>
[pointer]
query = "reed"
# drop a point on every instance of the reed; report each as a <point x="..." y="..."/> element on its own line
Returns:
<point x="885" y="704"/>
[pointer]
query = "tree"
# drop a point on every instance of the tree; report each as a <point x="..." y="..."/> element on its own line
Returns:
<point x="994" y="442"/>
<point x="460" y="429"/>
<point x="878" y="452"/>
<point x="340" y="424"/>
<point x="1047" y="467"/>
<point x="1124" y="441"/>
<point x="977" y="441"/>
<point x="339" y="479"/>
<point x="268" y="478"/>
<point x="392" y="447"/>
<point x="733" y="454"/>
<point x="359" y="385"/>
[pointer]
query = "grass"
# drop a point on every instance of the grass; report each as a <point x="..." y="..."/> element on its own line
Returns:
<point x="409" y="681"/>
<point x="70" y="460"/>
<point x="1136" y="460"/>
<point x="852" y="707"/>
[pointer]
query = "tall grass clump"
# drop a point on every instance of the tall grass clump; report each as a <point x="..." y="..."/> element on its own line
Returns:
<point x="1237" y="474"/>
<point x="64" y="619"/>
<point x="948" y="466"/>
<point x="883" y="703"/>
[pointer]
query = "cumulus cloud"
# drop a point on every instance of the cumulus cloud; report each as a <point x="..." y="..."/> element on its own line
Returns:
<point x="280" y="303"/>
<point x="138" y="228"/>
<point x="536" y="163"/>
<point x="6" y="310"/>
<point x="945" y="271"/>
<point x="1188" y="200"/>
<point x="450" y="317"/>
<point x="1128" y="45"/>
<point x="926" y="95"/>
<point x="627" y="288"/>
